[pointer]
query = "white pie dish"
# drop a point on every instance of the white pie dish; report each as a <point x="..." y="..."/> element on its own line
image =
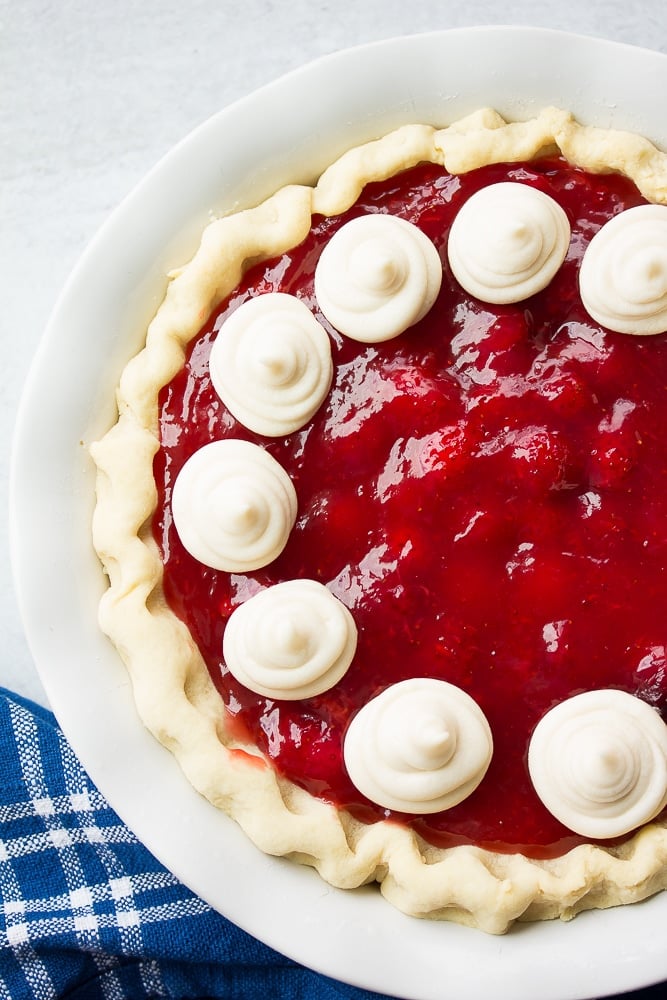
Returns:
<point x="241" y="155"/>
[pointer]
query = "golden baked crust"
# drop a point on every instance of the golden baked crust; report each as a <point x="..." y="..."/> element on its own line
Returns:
<point x="174" y="694"/>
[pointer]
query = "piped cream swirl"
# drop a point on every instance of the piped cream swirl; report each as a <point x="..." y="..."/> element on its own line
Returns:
<point x="271" y="364"/>
<point x="291" y="641"/>
<point x="623" y="274"/>
<point x="507" y="242"/>
<point x="377" y="276"/>
<point x="420" y="746"/>
<point x="233" y="506"/>
<point x="598" y="762"/>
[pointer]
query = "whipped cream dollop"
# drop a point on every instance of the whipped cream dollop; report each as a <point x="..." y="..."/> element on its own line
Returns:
<point x="271" y="364"/>
<point x="377" y="276"/>
<point x="623" y="274"/>
<point x="598" y="762"/>
<point x="420" y="746"/>
<point x="234" y="506"/>
<point x="507" y="242"/>
<point x="293" y="640"/>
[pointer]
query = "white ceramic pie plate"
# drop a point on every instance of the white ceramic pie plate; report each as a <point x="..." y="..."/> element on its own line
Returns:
<point x="286" y="132"/>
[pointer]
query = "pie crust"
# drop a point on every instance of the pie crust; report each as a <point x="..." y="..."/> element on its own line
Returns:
<point x="174" y="694"/>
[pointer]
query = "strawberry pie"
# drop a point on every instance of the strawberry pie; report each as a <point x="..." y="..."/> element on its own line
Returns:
<point x="384" y="516"/>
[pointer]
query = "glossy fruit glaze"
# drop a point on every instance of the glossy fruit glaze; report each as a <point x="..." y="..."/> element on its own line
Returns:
<point x="487" y="494"/>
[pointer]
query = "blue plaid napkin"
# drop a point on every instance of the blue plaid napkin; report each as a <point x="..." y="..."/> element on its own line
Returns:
<point x="87" y="912"/>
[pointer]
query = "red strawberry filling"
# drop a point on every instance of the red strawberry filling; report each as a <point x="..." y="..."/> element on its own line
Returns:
<point x="487" y="494"/>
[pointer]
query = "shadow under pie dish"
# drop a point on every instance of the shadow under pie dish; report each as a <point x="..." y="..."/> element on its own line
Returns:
<point x="465" y="491"/>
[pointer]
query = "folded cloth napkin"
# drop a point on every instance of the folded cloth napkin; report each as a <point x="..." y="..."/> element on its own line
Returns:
<point x="87" y="912"/>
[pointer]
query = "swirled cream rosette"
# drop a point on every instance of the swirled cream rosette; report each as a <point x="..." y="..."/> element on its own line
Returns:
<point x="598" y="762"/>
<point x="421" y="746"/>
<point x="623" y="275"/>
<point x="291" y="641"/>
<point x="377" y="276"/>
<point x="234" y="506"/>
<point x="271" y="364"/>
<point x="507" y="242"/>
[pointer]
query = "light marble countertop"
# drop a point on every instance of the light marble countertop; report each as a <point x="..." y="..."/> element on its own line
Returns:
<point x="91" y="96"/>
